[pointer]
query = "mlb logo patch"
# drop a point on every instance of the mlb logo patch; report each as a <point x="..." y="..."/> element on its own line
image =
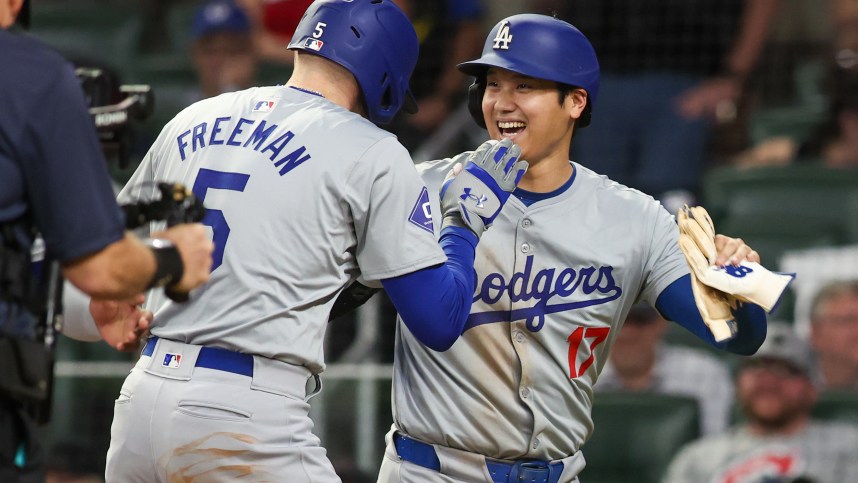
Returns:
<point x="421" y="214"/>
<point x="172" y="360"/>
<point x="263" y="106"/>
<point x="314" y="44"/>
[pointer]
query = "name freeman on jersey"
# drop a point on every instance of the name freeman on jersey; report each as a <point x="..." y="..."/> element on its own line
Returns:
<point x="523" y="286"/>
<point x="225" y="131"/>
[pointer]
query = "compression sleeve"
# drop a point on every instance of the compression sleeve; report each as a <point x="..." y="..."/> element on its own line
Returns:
<point x="676" y="303"/>
<point x="434" y="302"/>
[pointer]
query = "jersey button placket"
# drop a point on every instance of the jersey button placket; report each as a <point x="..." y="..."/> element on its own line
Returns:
<point x="525" y="247"/>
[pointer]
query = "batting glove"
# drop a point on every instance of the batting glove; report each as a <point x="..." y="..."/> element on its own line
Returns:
<point x="719" y="289"/>
<point x="473" y="197"/>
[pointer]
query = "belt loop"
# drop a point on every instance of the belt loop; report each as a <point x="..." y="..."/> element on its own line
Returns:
<point x="316" y="390"/>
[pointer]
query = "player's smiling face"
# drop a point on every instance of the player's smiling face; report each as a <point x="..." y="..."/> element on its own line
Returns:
<point x="528" y="111"/>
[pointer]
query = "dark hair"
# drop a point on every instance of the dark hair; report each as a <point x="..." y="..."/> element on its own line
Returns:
<point x="564" y="90"/>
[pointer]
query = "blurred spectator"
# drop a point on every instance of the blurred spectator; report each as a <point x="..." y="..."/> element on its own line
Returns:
<point x="274" y="22"/>
<point x="669" y="70"/>
<point x="450" y="32"/>
<point x="834" y="335"/>
<point x="778" y="442"/>
<point x="640" y="361"/>
<point x="222" y="49"/>
<point x="834" y="143"/>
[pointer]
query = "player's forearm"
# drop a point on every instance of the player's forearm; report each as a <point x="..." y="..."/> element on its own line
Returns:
<point x="751" y="330"/>
<point x="676" y="303"/>
<point x="120" y="270"/>
<point x="434" y="302"/>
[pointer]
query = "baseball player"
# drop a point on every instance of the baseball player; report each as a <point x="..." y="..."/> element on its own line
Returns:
<point x="565" y="260"/>
<point x="303" y="194"/>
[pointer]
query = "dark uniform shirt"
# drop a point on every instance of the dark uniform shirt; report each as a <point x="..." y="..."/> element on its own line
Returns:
<point x="53" y="175"/>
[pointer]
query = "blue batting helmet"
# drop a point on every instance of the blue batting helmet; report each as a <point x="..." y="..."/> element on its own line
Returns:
<point x="537" y="46"/>
<point x="372" y="39"/>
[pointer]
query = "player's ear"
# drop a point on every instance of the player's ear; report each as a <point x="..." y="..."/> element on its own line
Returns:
<point x="575" y="102"/>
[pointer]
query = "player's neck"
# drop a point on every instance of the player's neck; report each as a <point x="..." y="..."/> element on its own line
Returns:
<point x="546" y="175"/>
<point x="331" y="81"/>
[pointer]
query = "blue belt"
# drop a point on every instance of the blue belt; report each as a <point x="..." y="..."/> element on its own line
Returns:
<point x="528" y="471"/>
<point x="214" y="358"/>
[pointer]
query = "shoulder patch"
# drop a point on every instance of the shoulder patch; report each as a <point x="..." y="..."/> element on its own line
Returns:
<point x="421" y="214"/>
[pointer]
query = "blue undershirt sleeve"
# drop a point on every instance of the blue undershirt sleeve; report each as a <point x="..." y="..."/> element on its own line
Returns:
<point x="434" y="302"/>
<point x="676" y="303"/>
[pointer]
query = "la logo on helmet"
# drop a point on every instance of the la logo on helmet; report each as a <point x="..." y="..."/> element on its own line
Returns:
<point x="503" y="38"/>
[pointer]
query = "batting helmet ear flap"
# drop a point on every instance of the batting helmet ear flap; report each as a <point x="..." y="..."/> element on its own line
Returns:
<point x="475" y="101"/>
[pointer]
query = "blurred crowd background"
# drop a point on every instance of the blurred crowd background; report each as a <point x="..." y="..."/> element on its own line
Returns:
<point x="748" y="107"/>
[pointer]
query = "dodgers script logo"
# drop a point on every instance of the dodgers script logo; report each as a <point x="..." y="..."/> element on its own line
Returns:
<point x="503" y="38"/>
<point x="592" y="285"/>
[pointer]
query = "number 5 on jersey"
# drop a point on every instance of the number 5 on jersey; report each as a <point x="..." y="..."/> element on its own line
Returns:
<point x="211" y="179"/>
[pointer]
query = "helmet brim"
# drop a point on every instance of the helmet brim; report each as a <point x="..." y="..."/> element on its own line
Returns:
<point x="474" y="68"/>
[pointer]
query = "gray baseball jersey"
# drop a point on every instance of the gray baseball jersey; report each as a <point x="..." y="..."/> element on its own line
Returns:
<point x="295" y="213"/>
<point x="554" y="282"/>
<point x="824" y="452"/>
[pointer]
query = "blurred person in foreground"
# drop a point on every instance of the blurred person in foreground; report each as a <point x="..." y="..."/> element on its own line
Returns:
<point x="778" y="441"/>
<point x="54" y="183"/>
<point x="642" y="362"/>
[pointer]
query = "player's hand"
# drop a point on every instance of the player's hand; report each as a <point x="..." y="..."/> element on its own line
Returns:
<point x="195" y="248"/>
<point x="473" y="196"/>
<point x="121" y="324"/>
<point x="733" y="251"/>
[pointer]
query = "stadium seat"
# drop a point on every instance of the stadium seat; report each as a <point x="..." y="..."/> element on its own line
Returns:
<point x="796" y="122"/>
<point x="88" y="31"/>
<point x="775" y="209"/>
<point x="837" y="406"/>
<point x="637" y="435"/>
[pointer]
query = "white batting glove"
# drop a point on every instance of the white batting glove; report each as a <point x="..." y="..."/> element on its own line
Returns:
<point x="747" y="282"/>
<point x="474" y="196"/>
